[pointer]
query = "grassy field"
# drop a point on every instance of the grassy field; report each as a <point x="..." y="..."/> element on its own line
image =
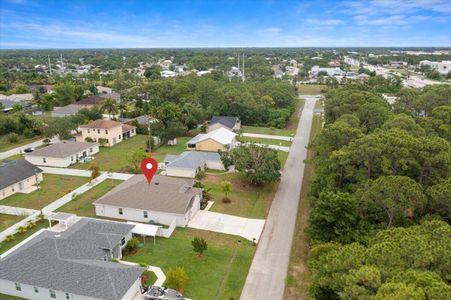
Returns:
<point x="6" y="145"/>
<point x="8" y="297"/>
<point x="52" y="188"/>
<point x="82" y="204"/>
<point x="7" y="221"/>
<point x="268" y="130"/>
<point x="18" y="237"/>
<point x="264" y="141"/>
<point x="310" y="89"/>
<point x="246" y="200"/>
<point x="297" y="282"/>
<point x="117" y="158"/>
<point x="206" y="275"/>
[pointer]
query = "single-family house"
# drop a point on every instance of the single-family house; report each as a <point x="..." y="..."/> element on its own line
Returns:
<point x="220" y="139"/>
<point x="162" y="201"/>
<point x="189" y="163"/>
<point x="72" y="264"/>
<point x="230" y="123"/>
<point x="65" y="111"/>
<point x="110" y="131"/>
<point x="62" y="154"/>
<point x="18" y="176"/>
<point x="91" y="101"/>
<point x="8" y="105"/>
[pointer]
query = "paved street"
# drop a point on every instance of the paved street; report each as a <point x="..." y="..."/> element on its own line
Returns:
<point x="19" y="150"/>
<point x="266" y="278"/>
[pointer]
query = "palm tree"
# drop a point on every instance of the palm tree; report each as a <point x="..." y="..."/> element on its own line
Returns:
<point x="122" y="107"/>
<point x="109" y="105"/>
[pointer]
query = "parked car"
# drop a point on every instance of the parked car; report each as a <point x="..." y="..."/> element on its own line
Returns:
<point x="28" y="150"/>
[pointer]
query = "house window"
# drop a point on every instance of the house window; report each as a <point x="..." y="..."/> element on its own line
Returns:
<point x="44" y="160"/>
<point x="36" y="290"/>
<point x="106" y="131"/>
<point x="120" y="211"/>
<point x="67" y="296"/>
<point x="145" y="214"/>
<point x="3" y="192"/>
<point x="119" y="136"/>
<point x="18" y="287"/>
<point x="90" y="150"/>
<point x="52" y="294"/>
<point x="72" y="158"/>
<point x="12" y="188"/>
<point x="98" y="131"/>
<point x="123" y="241"/>
<point x="133" y="130"/>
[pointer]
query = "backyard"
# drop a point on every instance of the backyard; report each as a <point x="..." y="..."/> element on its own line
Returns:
<point x="18" y="237"/>
<point x="52" y="188"/>
<point x="82" y="204"/>
<point x="7" y="221"/>
<point x="117" y="158"/>
<point x="310" y="89"/>
<point x="246" y="139"/>
<point x="206" y="275"/>
<point x="246" y="200"/>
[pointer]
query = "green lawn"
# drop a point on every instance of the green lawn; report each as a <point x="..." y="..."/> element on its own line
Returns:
<point x="117" y="158"/>
<point x="310" y="89"/>
<point x="8" y="297"/>
<point x="18" y="237"/>
<point x="15" y="157"/>
<point x="265" y="141"/>
<point x="6" y="145"/>
<point x="298" y="276"/>
<point x="282" y="157"/>
<point x="268" y="130"/>
<point x="206" y="275"/>
<point x="82" y="204"/>
<point x="246" y="200"/>
<point x="52" y="188"/>
<point x="7" y="221"/>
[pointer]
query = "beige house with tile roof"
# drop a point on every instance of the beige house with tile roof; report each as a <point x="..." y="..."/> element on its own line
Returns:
<point x="111" y="131"/>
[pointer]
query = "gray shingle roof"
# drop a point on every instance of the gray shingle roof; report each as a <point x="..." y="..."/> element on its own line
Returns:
<point x="16" y="171"/>
<point x="191" y="159"/>
<point x="63" y="149"/>
<point x="171" y="195"/>
<point x="70" y="109"/>
<point x="224" y="120"/>
<point x="73" y="261"/>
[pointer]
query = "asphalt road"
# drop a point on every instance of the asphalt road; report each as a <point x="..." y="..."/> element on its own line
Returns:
<point x="19" y="150"/>
<point x="266" y="278"/>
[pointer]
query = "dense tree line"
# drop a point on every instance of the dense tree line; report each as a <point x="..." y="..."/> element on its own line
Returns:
<point x="380" y="167"/>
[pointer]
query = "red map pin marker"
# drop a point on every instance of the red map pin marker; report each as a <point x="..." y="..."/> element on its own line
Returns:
<point x="149" y="167"/>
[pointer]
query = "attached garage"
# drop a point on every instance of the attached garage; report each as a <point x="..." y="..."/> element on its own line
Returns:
<point x="189" y="163"/>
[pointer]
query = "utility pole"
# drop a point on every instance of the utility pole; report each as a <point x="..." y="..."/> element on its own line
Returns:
<point x="50" y="65"/>
<point x="243" y="67"/>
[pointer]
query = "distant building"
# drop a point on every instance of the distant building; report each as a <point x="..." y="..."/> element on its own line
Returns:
<point x="65" y="111"/>
<point x="220" y="139"/>
<point x="167" y="74"/>
<point x="111" y="131"/>
<point x="230" y="123"/>
<point x="189" y="163"/>
<point x="90" y="101"/>
<point x="329" y="71"/>
<point x="442" y="67"/>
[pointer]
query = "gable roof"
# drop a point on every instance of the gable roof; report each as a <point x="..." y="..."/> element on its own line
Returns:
<point x="16" y="171"/>
<point x="62" y="149"/>
<point x="91" y="100"/>
<point x="70" y="109"/>
<point x="170" y="195"/>
<point x="127" y="128"/>
<point x="72" y="261"/>
<point x="224" y="120"/>
<point x="191" y="159"/>
<point x="220" y="135"/>
<point x="102" y="124"/>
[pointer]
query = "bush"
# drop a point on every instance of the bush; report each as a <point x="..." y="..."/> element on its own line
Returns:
<point x="103" y="142"/>
<point x="13" y="138"/>
<point x="22" y="229"/>
<point x="132" y="245"/>
<point x="27" y="133"/>
<point x="89" y="140"/>
<point x="46" y="141"/>
<point x="176" y="278"/>
<point x="199" y="246"/>
<point x="10" y="238"/>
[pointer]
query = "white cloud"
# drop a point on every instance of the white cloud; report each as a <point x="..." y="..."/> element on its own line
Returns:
<point x="390" y="20"/>
<point x="324" y="22"/>
<point x="387" y="7"/>
<point x="273" y="30"/>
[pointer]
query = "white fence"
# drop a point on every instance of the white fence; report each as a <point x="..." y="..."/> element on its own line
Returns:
<point x="16" y="211"/>
<point x="167" y="232"/>
<point x="13" y="228"/>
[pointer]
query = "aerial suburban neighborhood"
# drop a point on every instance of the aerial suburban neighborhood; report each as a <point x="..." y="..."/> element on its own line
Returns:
<point x="154" y="150"/>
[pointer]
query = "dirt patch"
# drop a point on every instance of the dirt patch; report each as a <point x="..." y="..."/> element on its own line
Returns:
<point x="241" y="186"/>
<point x="209" y="178"/>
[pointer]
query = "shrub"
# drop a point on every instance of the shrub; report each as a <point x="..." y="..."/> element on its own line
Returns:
<point x="132" y="245"/>
<point x="22" y="229"/>
<point x="10" y="238"/>
<point x="89" y="140"/>
<point x="46" y="141"/>
<point x="102" y="142"/>
<point x="27" y="133"/>
<point x="31" y="224"/>
<point x="199" y="246"/>
<point x="176" y="278"/>
<point x="13" y="138"/>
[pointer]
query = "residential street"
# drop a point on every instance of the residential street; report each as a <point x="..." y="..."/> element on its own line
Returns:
<point x="266" y="278"/>
<point x="19" y="150"/>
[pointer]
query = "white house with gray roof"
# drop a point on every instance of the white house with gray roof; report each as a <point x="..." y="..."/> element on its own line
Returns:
<point x="189" y="163"/>
<point x="18" y="176"/>
<point x="62" y="154"/>
<point x="162" y="201"/>
<point x="74" y="264"/>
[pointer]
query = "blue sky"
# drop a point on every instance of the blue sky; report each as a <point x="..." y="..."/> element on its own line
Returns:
<point x="166" y="23"/>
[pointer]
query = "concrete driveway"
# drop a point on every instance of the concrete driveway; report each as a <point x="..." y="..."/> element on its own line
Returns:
<point x="217" y="222"/>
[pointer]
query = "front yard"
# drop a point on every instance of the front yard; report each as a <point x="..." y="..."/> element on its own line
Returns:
<point x="246" y="200"/>
<point x="7" y="221"/>
<point x="246" y="139"/>
<point x="206" y="275"/>
<point x="82" y="204"/>
<point x="52" y="188"/>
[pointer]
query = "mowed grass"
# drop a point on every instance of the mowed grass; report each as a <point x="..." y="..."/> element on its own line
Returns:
<point x="18" y="237"/>
<point x="160" y="153"/>
<point x="8" y="297"/>
<point x="245" y="139"/>
<point x="117" y="157"/>
<point x="268" y="130"/>
<point x="310" y="89"/>
<point x="52" y="188"/>
<point x="7" y="221"/>
<point x="246" y="200"/>
<point x="6" y="145"/>
<point x="298" y="277"/>
<point x="82" y="204"/>
<point x="206" y="275"/>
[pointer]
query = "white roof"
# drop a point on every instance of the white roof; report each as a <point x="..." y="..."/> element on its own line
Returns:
<point x="220" y="135"/>
<point x="144" y="229"/>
